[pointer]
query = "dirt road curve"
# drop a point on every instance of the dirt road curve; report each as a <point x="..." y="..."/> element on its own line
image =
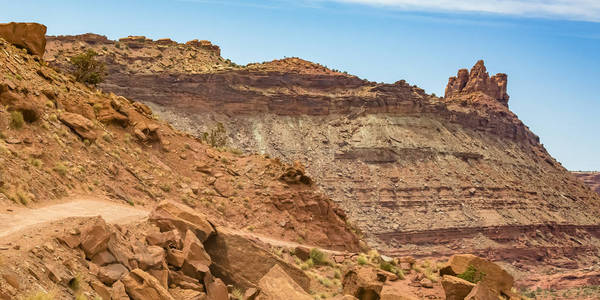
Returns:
<point x="110" y="211"/>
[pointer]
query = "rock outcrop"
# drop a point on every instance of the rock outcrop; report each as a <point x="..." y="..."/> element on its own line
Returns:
<point x="478" y="80"/>
<point x="31" y="36"/>
<point x="490" y="278"/>
<point x="245" y="263"/>
<point x="83" y="126"/>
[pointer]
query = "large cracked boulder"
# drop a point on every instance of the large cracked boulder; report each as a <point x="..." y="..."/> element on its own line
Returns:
<point x="95" y="237"/>
<point x="171" y="216"/>
<point x="277" y="284"/>
<point x="456" y="288"/>
<point x="364" y="283"/>
<point x="143" y="286"/>
<point x="242" y="262"/>
<point x="492" y="275"/>
<point x="31" y="36"/>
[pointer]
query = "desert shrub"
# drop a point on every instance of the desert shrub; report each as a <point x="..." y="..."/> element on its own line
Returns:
<point x="23" y="197"/>
<point x="81" y="297"/>
<point x="386" y="266"/>
<point x="75" y="283"/>
<point x="374" y="256"/>
<point x="165" y="187"/>
<point x="97" y="107"/>
<point x="362" y="259"/>
<point x="87" y="69"/>
<point x="61" y="169"/>
<point x="107" y="137"/>
<point x="237" y="294"/>
<point x="472" y="275"/>
<point x="308" y="264"/>
<point x="36" y="162"/>
<point x="400" y="273"/>
<point x="317" y="256"/>
<point x="325" y="282"/>
<point x="16" y="119"/>
<point x="216" y="137"/>
<point x="40" y="296"/>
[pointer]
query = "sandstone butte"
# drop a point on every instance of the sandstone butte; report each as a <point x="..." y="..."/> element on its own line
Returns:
<point x="424" y="179"/>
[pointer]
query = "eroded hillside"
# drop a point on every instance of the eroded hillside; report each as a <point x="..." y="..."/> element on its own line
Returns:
<point x="408" y="168"/>
<point x="416" y="173"/>
<point x="62" y="138"/>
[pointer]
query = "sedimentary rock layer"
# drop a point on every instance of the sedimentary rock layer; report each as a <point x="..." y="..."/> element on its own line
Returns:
<point x="592" y="179"/>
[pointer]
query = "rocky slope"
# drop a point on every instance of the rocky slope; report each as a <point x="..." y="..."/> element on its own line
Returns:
<point x="61" y="138"/>
<point x="416" y="173"/>
<point x="592" y="179"/>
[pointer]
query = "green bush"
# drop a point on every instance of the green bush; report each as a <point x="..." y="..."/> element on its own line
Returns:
<point x="16" y="119"/>
<point x="472" y="275"/>
<point x="75" y="283"/>
<point x="40" y="296"/>
<point x="386" y="266"/>
<point x="237" y="294"/>
<point x="317" y="256"/>
<point x="87" y="69"/>
<point x="362" y="259"/>
<point x="217" y="137"/>
<point x="23" y="197"/>
<point x="61" y="169"/>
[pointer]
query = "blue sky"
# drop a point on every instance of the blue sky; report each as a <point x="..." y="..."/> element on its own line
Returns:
<point x="549" y="48"/>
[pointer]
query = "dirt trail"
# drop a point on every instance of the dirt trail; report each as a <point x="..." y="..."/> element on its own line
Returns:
<point x="110" y="211"/>
<point x="282" y="243"/>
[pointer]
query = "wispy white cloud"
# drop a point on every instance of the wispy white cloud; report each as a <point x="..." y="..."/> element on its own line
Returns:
<point x="579" y="10"/>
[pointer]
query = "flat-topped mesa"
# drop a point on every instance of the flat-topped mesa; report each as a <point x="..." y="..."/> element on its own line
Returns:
<point x="31" y="36"/>
<point x="478" y="80"/>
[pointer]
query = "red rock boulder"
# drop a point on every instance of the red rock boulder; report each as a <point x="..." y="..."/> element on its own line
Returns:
<point x="31" y="36"/>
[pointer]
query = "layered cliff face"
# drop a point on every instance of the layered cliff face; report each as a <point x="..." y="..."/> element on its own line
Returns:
<point x="592" y="179"/>
<point x="416" y="173"/>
